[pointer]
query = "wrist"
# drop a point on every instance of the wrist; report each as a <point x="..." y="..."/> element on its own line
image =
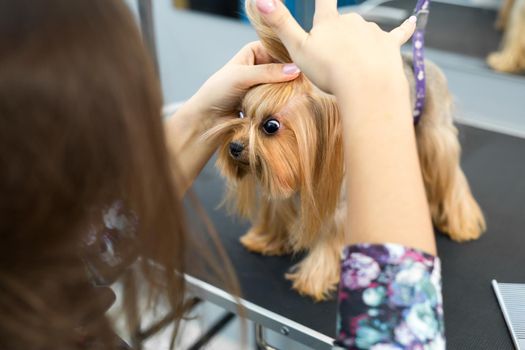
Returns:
<point x="194" y="112"/>
<point x="186" y="143"/>
<point x="194" y="118"/>
<point x="389" y="76"/>
<point x="188" y="125"/>
<point x="384" y="101"/>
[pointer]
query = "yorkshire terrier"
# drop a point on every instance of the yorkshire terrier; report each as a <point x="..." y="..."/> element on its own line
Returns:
<point x="283" y="161"/>
<point x="511" y="57"/>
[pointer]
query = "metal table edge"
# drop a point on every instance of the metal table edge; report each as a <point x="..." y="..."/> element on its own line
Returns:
<point x="259" y="315"/>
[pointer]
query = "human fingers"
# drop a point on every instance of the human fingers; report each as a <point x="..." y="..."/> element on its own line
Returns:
<point x="404" y="32"/>
<point x="267" y="73"/>
<point x="278" y="18"/>
<point x="251" y="54"/>
<point x="325" y="8"/>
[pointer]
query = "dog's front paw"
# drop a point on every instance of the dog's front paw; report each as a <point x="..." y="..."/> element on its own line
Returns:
<point x="319" y="284"/>
<point x="264" y="243"/>
<point x="461" y="220"/>
<point x="463" y="228"/>
<point x="464" y="234"/>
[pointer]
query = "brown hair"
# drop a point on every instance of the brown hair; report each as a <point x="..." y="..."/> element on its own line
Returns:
<point x="80" y="126"/>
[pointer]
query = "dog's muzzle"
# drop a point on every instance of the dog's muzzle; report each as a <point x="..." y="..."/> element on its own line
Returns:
<point x="236" y="149"/>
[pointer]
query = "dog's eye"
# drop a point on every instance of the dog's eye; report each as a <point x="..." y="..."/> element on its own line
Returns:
<point x="241" y="115"/>
<point x="271" y="126"/>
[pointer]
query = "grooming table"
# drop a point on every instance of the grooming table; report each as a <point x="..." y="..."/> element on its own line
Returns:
<point x="495" y="166"/>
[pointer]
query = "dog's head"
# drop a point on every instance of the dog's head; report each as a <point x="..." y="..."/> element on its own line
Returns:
<point x="285" y="136"/>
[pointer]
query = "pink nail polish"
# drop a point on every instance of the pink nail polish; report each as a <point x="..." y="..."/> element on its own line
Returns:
<point x="265" y="6"/>
<point x="291" y="69"/>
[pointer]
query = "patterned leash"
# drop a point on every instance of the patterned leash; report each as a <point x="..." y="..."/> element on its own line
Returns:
<point x="418" y="50"/>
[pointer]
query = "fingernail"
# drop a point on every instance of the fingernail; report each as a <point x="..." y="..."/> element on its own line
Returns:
<point x="291" y="69"/>
<point x="265" y="6"/>
<point x="412" y="19"/>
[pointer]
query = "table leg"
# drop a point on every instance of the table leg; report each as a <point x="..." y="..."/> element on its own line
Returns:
<point x="213" y="331"/>
<point x="260" y="342"/>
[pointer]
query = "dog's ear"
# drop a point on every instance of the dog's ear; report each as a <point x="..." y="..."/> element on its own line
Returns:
<point x="269" y="39"/>
<point x="322" y="165"/>
<point x="453" y="207"/>
<point x="329" y="174"/>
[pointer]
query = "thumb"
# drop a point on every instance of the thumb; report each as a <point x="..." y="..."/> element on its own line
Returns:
<point x="405" y="30"/>
<point x="278" y="18"/>
<point x="269" y="73"/>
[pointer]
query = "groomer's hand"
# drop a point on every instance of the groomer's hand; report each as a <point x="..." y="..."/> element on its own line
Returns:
<point x="341" y="51"/>
<point x="219" y="96"/>
<point x="223" y="91"/>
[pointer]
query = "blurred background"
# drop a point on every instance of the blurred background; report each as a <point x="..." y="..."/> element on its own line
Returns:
<point x="470" y="18"/>
<point x="196" y="37"/>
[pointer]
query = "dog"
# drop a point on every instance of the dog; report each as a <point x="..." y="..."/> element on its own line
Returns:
<point x="511" y="57"/>
<point x="282" y="157"/>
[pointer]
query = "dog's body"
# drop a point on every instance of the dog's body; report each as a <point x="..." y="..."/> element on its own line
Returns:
<point x="511" y="57"/>
<point x="285" y="169"/>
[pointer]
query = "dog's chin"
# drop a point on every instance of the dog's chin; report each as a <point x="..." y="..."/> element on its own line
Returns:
<point x="274" y="191"/>
<point x="238" y="169"/>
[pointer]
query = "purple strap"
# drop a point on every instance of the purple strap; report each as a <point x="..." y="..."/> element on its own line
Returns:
<point x="418" y="44"/>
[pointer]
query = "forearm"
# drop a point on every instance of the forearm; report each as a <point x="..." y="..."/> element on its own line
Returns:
<point x="387" y="201"/>
<point x="189" y="151"/>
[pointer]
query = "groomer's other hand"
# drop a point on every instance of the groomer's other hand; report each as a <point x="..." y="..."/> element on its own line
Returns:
<point x="341" y="51"/>
<point x="218" y="97"/>
<point x="252" y="66"/>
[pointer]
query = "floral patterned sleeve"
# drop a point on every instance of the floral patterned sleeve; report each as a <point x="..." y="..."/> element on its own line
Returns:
<point x="390" y="299"/>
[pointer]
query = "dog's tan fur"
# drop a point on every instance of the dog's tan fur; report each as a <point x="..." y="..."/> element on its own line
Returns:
<point x="511" y="57"/>
<point x="290" y="185"/>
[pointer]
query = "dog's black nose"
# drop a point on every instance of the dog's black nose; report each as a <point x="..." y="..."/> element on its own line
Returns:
<point x="236" y="149"/>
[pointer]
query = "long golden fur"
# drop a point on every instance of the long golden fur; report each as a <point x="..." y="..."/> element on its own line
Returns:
<point x="290" y="184"/>
<point x="511" y="57"/>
